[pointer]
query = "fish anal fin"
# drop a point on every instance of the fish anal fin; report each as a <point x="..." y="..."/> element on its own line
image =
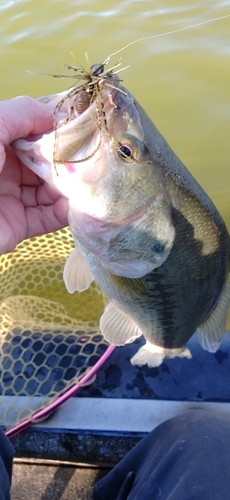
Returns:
<point x="117" y="327"/>
<point x="210" y="333"/>
<point x="76" y="274"/>
<point x="153" y="355"/>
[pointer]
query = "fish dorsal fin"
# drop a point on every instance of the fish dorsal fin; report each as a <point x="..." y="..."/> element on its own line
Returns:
<point x="76" y="274"/>
<point x="210" y="333"/>
<point x="117" y="327"/>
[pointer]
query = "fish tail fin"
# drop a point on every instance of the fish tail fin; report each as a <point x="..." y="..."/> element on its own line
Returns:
<point x="210" y="333"/>
<point x="153" y="355"/>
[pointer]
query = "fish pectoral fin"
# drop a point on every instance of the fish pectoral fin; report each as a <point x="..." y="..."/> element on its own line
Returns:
<point x="117" y="327"/>
<point x="153" y="355"/>
<point x="210" y="333"/>
<point x="76" y="274"/>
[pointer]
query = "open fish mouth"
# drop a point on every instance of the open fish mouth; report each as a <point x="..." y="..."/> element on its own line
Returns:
<point x="77" y="135"/>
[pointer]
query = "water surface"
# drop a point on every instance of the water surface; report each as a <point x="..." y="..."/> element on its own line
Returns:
<point x="182" y="79"/>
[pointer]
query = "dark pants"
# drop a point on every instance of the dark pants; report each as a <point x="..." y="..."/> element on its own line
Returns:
<point x="184" y="458"/>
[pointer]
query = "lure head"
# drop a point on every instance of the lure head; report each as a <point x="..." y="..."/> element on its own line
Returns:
<point x="97" y="69"/>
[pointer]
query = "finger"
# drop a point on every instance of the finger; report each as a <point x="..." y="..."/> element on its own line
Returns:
<point x="18" y="222"/>
<point x="46" y="219"/>
<point x="10" y="180"/>
<point x="22" y="116"/>
<point x="2" y="156"/>
<point x="38" y="194"/>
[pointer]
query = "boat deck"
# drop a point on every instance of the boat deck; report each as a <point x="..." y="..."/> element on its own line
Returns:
<point x="61" y="458"/>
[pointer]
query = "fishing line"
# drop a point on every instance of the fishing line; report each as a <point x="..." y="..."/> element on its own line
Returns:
<point x="164" y="34"/>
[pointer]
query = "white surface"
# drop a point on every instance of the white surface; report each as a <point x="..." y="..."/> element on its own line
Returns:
<point x="121" y="415"/>
<point x="108" y="414"/>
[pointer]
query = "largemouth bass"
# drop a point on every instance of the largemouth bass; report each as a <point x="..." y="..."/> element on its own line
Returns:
<point x="143" y="227"/>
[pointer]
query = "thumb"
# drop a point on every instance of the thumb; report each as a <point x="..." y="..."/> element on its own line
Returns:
<point x="22" y="116"/>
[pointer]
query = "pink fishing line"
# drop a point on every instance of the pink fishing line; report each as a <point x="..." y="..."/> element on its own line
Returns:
<point x="41" y="414"/>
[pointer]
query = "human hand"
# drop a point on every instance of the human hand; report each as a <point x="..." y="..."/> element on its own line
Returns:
<point x="28" y="206"/>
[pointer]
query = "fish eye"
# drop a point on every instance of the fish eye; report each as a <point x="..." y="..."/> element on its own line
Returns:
<point x="126" y="153"/>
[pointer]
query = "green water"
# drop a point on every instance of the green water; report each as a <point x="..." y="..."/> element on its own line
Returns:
<point x="182" y="79"/>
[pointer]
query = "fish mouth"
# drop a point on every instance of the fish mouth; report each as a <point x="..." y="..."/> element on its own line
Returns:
<point x="75" y="136"/>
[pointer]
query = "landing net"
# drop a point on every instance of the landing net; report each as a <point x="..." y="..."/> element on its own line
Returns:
<point x="49" y="338"/>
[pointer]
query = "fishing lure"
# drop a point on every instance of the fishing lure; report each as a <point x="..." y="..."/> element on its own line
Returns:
<point x="81" y="96"/>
